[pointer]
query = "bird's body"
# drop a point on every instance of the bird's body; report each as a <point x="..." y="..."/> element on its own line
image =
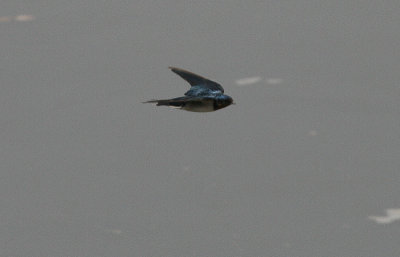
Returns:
<point x="203" y="96"/>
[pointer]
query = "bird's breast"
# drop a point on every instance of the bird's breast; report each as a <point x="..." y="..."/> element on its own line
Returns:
<point x="200" y="106"/>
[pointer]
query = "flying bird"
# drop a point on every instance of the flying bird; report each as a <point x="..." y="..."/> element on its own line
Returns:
<point x="204" y="95"/>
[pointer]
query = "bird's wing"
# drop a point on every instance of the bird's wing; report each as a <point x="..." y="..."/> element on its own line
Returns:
<point x="199" y="84"/>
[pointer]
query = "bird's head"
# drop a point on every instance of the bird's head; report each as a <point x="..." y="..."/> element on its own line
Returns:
<point x="222" y="101"/>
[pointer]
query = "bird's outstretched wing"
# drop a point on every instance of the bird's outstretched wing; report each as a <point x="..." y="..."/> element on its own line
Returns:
<point x="200" y="86"/>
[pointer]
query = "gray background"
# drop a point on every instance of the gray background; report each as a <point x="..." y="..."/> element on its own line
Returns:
<point x="293" y="169"/>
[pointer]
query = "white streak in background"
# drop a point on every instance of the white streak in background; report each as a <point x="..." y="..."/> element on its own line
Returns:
<point x="21" y="18"/>
<point x="24" y="17"/>
<point x="5" y="19"/>
<point x="312" y="133"/>
<point x="391" y="215"/>
<point x="274" y="81"/>
<point x="248" y="81"/>
<point x="114" y="231"/>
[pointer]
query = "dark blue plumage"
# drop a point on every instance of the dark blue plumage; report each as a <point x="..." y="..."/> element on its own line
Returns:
<point x="203" y="96"/>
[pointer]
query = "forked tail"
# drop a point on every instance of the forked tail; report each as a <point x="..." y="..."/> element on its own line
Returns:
<point x="168" y="102"/>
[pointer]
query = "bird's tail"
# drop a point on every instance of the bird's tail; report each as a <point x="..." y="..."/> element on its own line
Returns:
<point x="168" y="102"/>
<point x="151" y="101"/>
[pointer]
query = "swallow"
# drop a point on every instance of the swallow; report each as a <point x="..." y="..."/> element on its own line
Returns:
<point x="204" y="95"/>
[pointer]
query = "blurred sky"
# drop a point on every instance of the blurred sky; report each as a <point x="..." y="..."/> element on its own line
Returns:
<point x="295" y="168"/>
